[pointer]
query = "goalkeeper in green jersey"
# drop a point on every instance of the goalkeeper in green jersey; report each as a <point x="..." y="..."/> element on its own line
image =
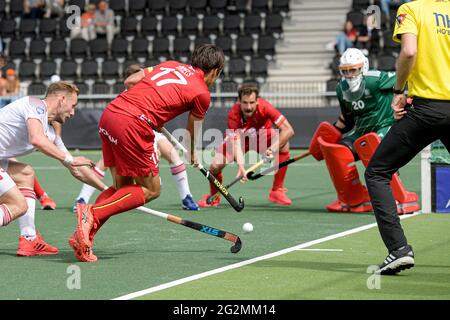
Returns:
<point x="366" y="115"/>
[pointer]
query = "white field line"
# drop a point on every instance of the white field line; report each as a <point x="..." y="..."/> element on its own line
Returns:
<point x="250" y="261"/>
<point x="321" y="250"/>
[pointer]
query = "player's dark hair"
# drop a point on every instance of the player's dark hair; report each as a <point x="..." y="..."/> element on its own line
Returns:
<point x="247" y="89"/>
<point x="208" y="57"/>
<point x="61" y="87"/>
<point x="132" y="69"/>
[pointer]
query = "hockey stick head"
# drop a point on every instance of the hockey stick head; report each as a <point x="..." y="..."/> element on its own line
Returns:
<point x="237" y="246"/>
<point x="241" y="205"/>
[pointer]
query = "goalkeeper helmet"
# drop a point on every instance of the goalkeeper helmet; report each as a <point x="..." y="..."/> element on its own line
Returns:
<point x="353" y="64"/>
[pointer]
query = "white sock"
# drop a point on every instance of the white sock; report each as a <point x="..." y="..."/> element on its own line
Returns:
<point x="26" y="222"/>
<point x="179" y="175"/>
<point x="87" y="191"/>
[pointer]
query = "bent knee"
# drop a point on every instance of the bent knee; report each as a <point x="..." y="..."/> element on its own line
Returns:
<point x="152" y="194"/>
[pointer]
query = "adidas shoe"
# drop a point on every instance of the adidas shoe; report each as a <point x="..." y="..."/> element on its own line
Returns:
<point x="397" y="260"/>
<point x="189" y="204"/>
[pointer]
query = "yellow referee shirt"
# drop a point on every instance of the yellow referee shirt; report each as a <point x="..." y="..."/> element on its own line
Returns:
<point x="429" y="20"/>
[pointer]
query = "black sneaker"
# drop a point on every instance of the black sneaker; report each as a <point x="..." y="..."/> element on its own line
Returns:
<point x="397" y="260"/>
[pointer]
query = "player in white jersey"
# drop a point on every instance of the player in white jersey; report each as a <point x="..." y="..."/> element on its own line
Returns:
<point x="163" y="148"/>
<point x="24" y="127"/>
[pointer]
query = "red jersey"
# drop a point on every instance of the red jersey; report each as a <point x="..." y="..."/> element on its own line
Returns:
<point x="167" y="90"/>
<point x="263" y="118"/>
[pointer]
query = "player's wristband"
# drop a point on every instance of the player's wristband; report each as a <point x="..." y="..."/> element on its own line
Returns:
<point x="68" y="160"/>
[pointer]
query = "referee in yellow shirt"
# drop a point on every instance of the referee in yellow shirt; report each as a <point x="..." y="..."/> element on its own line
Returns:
<point x="423" y="28"/>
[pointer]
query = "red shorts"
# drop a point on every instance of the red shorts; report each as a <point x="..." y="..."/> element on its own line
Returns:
<point x="258" y="141"/>
<point x="128" y="145"/>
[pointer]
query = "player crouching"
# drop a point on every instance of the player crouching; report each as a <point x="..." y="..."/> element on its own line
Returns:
<point x="366" y="115"/>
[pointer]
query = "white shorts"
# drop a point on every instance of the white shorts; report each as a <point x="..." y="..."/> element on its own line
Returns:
<point x="6" y="182"/>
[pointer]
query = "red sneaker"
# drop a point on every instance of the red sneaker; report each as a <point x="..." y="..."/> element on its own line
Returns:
<point x="85" y="225"/>
<point x="36" y="247"/>
<point x="81" y="255"/>
<point x="47" y="203"/>
<point x="204" y="204"/>
<point x="279" y="196"/>
<point x="410" y="206"/>
<point x="338" y="206"/>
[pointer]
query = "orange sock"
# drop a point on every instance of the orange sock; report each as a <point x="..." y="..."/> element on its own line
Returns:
<point x="124" y="199"/>
<point x="38" y="189"/>
<point x="278" y="179"/>
<point x="212" y="187"/>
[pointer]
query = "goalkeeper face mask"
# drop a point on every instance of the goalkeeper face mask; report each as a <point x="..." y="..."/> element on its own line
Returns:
<point x="353" y="84"/>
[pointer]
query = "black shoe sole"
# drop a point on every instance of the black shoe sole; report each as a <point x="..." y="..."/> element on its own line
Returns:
<point x="391" y="272"/>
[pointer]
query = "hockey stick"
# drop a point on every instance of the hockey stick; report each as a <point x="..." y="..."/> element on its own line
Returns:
<point x="251" y="169"/>
<point x="199" y="227"/>
<point x="253" y="176"/>
<point x="223" y="190"/>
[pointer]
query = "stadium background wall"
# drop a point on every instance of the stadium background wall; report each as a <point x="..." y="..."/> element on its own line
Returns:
<point x="81" y="132"/>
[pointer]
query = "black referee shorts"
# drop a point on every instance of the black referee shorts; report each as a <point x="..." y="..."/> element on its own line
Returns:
<point x="426" y="121"/>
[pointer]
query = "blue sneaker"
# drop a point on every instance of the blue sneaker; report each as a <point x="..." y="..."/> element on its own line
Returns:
<point x="79" y="201"/>
<point x="189" y="204"/>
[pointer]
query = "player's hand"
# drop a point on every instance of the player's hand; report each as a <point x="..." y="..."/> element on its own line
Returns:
<point x="82" y="161"/>
<point x="241" y="173"/>
<point x="269" y="154"/>
<point x="398" y="105"/>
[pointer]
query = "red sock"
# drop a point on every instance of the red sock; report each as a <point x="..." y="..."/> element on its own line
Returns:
<point x="212" y="187"/>
<point x="278" y="179"/>
<point x="101" y="197"/>
<point x="38" y="189"/>
<point x="124" y="199"/>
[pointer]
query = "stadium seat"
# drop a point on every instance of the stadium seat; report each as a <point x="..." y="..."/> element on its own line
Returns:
<point x="332" y="84"/>
<point x="389" y="45"/>
<point x="101" y="88"/>
<point x="37" y="89"/>
<point x="387" y="62"/>
<point x="119" y="48"/>
<point x="27" y="28"/>
<point x="47" y="28"/>
<point x="240" y="6"/>
<point x="244" y="46"/>
<point x="47" y="69"/>
<point x="27" y="70"/>
<point x="225" y="42"/>
<point x="151" y="63"/>
<point x="274" y="24"/>
<point x="2" y="8"/>
<point x="258" y="67"/>
<point x="236" y="68"/>
<point x="137" y="7"/>
<point x="266" y="45"/>
<point x="211" y="25"/>
<point x="98" y="48"/>
<point x="78" y="48"/>
<point x="252" y="24"/>
<point x="118" y="6"/>
<point x="149" y="26"/>
<point x="197" y="6"/>
<point x="128" y="26"/>
<point x="177" y="6"/>
<point x="140" y="48"/>
<point x="58" y="48"/>
<point x="260" y="6"/>
<point x="15" y="8"/>
<point x="169" y="25"/>
<point x="232" y="24"/>
<point x="280" y="6"/>
<point x="161" y="47"/>
<point x="7" y="28"/>
<point x="217" y="6"/>
<point x="80" y="3"/>
<point x="356" y="17"/>
<point x="361" y="4"/>
<point x="68" y="70"/>
<point x="157" y="6"/>
<point x="83" y="87"/>
<point x="110" y="70"/>
<point x="63" y="30"/>
<point x="89" y="69"/>
<point x="181" y="47"/>
<point x="199" y="40"/>
<point x="189" y="25"/>
<point x="17" y="49"/>
<point x="37" y="49"/>
<point x="118" y="87"/>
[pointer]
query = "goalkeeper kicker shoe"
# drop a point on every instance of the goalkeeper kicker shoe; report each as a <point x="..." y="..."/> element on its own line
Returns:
<point x="397" y="260"/>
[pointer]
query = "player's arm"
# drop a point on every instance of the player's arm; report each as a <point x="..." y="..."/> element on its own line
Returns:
<point x="136" y="77"/>
<point x="40" y="141"/>
<point x="286" y="132"/>
<point x="345" y="121"/>
<point x="192" y="136"/>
